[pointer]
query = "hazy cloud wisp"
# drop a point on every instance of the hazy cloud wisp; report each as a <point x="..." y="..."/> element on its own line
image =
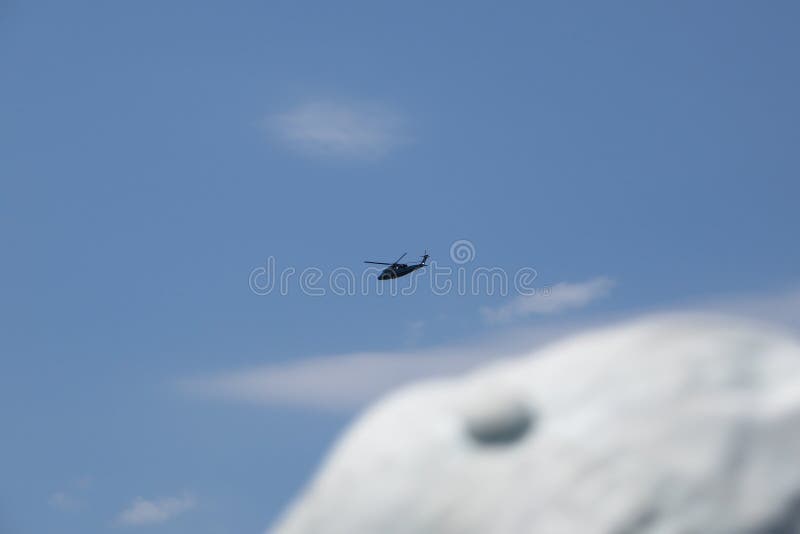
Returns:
<point x="72" y="498"/>
<point x="353" y="131"/>
<point x="63" y="501"/>
<point x="346" y="382"/>
<point x="562" y="296"/>
<point x="339" y="383"/>
<point x="144" y="512"/>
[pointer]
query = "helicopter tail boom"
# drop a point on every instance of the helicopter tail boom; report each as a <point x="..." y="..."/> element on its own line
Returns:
<point x="425" y="258"/>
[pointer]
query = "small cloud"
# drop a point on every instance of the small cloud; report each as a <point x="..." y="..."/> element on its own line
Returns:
<point x="354" y="131"/>
<point x="144" y="512"/>
<point x="61" y="500"/>
<point x="562" y="296"/>
<point x="72" y="499"/>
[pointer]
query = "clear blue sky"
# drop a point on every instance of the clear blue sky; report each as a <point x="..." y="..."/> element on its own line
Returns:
<point x="153" y="153"/>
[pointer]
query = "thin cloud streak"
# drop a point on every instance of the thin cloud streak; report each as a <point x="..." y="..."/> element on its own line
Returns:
<point x="347" y="382"/>
<point x="330" y="129"/>
<point x="561" y="297"/>
<point x="340" y="383"/>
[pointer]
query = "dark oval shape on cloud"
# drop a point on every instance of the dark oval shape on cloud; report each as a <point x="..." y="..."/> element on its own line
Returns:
<point x="500" y="424"/>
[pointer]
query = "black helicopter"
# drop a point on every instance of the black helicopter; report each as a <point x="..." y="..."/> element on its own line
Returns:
<point x="396" y="269"/>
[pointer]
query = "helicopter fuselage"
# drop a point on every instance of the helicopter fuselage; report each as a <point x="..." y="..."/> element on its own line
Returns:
<point x="396" y="271"/>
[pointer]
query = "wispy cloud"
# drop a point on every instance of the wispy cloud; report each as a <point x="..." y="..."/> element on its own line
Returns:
<point x="330" y="383"/>
<point x="73" y="498"/>
<point x="61" y="500"/>
<point x="335" y="129"/>
<point x="782" y="308"/>
<point x="562" y="296"/>
<point x="346" y="382"/>
<point x="343" y="383"/>
<point x="144" y="512"/>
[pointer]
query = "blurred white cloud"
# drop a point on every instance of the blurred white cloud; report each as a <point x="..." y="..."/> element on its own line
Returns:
<point x="364" y="130"/>
<point x="562" y="296"/>
<point x="150" y="512"/>
<point x="670" y="423"/>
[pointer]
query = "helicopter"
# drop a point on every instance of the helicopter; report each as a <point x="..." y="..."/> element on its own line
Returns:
<point x="397" y="269"/>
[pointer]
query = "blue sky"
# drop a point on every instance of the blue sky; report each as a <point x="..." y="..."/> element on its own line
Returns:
<point x="637" y="156"/>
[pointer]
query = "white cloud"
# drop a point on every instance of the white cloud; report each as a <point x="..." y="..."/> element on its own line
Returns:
<point x="562" y="296"/>
<point x="144" y="512"/>
<point x="323" y="128"/>
<point x="707" y="407"/>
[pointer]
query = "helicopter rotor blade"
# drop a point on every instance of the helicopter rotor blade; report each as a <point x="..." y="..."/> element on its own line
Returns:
<point x="379" y="263"/>
<point x="400" y="258"/>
